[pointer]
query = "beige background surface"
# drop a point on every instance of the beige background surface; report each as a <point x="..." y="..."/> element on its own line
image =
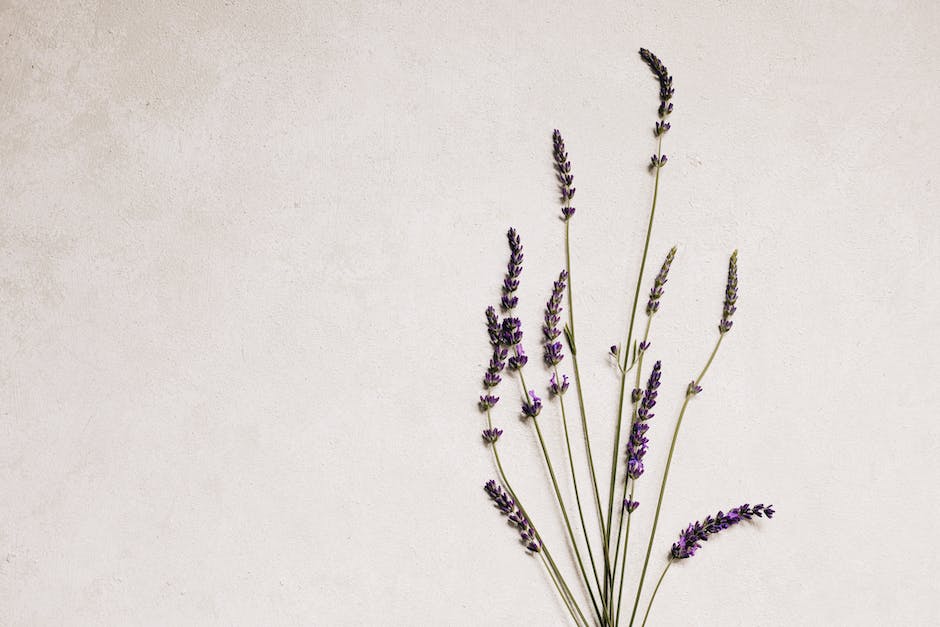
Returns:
<point x="245" y="249"/>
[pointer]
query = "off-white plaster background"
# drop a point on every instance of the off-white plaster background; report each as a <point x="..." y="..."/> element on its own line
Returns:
<point x="245" y="249"/>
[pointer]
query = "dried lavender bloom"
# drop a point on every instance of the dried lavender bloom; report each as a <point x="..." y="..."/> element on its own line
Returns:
<point x="491" y="435"/>
<point x="731" y="294"/>
<point x="553" y="354"/>
<point x="507" y="506"/>
<point x="532" y="406"/>
<point x="563" y="169"/>
<point x="630" y="506"/>
<point x="693" y="389"/>
<point x="513" y="270"/>
<point x="691" y="538"/>
<point x="658" y="161"/>
<point x="642" y="346"/>
<point x="666" y="91"/>
<point x="492" y="325"/>
<point x="510" y="332"/>
<point x="487" y="401"/>
<point x="558" y="388"/>
<point x="519" y="358"/>
<point x="637" y="445"/>
<point x="652" y="306"/>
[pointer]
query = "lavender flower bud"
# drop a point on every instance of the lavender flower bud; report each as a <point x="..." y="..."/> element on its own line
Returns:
<point x="693" y="389"/>
<point x="563" y="173"/>
<point x="518" y="360"/>
<point x="731" y="294"/>
<point x="666" y="90"/>
<point x="507" y="506"/>
<point x="513" y="270"/>
<point x="487" y="401"/>
<point x="630" y="505"/>
<point x="614" y="350"/>
<point x="491" y="379"/>
<point x="652" y="306"/>
<point x="532" y="406"/>
<point x="491" y="435"/>
<point x="556" y="388"/>
<point x="691" y="538"/>
<point x="510" y="332"/>
<point x="492" y="325"/>
<point x="642" y="346"/>
<point x="636" y="394"/>
<point x="553" y="349"/>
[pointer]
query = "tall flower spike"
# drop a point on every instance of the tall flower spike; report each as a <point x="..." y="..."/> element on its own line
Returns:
<point x="553" y="348"/>
<point x="513" y="270"/>
<point x="507" y="506"/>
<point x="666" y="90"/>
<point x="731" y="294"/>
<point x="691" y="537"/>
<point x="491" y="377"/>
<point x="652" y="306"/>
<point x="637" y="445"/>
<point x="563" y="172"/>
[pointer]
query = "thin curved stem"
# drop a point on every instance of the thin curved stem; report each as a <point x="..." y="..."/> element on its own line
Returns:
<point x="561" y="502"/>
<point x="572" y="345"/>
<point x="625" y="349"/>
<point x="662" y="488"/>
<point x="568" y="597"/>
<point x="655" y="590"/>
<point x="623" y="566"/>
<point x="574" y="481"/>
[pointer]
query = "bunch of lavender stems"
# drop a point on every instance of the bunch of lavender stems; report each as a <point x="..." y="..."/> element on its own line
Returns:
<point x="506" y="340"/>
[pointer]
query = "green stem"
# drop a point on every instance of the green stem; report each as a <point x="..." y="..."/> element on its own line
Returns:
<point x="572" y="345"/>
<point x="626" y="348"/>
<point x="655" y="590"/>
<point x="623" y="566"/>
<point x="561" y="502"/>
<point x="662" y="488"/>
<point x="574" y="481"/>
<point x="568" y="597"/>
<point x="639" y="369"/>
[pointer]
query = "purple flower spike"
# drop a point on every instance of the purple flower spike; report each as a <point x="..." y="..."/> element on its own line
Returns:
<point x="487" y="401"/>
<point x="491" y="435"/>
<point x="563" y="173"/>
<point x="513" y="270"/>
<point x="492" y="325"/>
<point x="630" y="505"/>
<point x="533" y="406"/>
<point x="666" y="90"/>
<point x="691" y="538"/>
<point x="553" y="354"/>
<point x="652" y="306"/>
<point x="556" y="388"/>
<point x="507" y="506"/>
<point x="510" y="332"/>
<point x="519" y="359"/>
<point x="637" y="444"/>
<point x="731" y="294"/>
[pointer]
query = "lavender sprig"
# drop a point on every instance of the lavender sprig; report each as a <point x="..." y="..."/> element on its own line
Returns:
<point x="507" y="506"/>
<point x="652" y="305"/>
<point x="691" y="538"/>
<point x="731" y="295"/>
<point x="637" y="445"/>
<point x="513" y="270"/>
<point x="563" y="170"/>
<point x="553" y="308"/>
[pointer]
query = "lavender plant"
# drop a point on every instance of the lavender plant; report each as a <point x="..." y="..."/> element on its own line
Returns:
<point x="601" y="559"/>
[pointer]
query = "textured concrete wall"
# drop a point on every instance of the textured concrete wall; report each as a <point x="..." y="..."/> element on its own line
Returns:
<point x="245" y="249"/>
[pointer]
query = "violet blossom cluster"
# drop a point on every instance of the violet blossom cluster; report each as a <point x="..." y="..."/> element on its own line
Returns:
<point x="492" y="377"/>
<point x="532" y="406"/>
<point x="563" y="170"/>
<point x="553" y="348"/>
<point x="691" y="538"/>
<point x="637" y="445"/>
<point x="731" y="294"/>
<point x="652" y="306"/>
<point x="513" y="270"/>
<point x="507" y="506"/>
